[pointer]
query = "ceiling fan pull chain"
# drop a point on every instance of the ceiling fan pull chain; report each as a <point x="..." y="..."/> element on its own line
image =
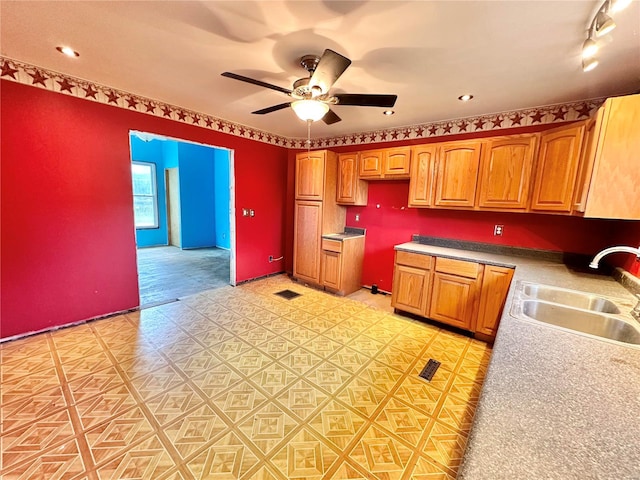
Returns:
<point x="309" y="122"/>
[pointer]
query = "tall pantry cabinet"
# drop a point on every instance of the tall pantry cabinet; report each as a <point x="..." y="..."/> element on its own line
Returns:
<point x="316" y="211"/>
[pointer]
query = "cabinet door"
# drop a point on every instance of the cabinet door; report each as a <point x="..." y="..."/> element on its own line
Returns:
<point x="495" y="286"/>
<point x="350" y="190"/>
<point x="371" y="164"/>
<point x="422" y="173"/>
<point x="453" y="300"/>
<point x="396" y="162"/>
<point x="587" y="154"/>
<point x="614" y="190"/>
<point x="306" y="241"/>
<point x="557" y="168"/>
<point x="331" y="269"/>
<point x="310" y="175"/>
<point x="410" y="289"/>
<point x="457" y="174"/>
<point x="505" y="173"/>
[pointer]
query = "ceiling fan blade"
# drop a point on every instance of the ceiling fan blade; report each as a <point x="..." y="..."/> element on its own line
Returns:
<point x="366" y="100"/>
<point x="275" y="108"/>
<point x="329" y="69"/>
<point x="330" y="117"/>
<point x="253" y="81"/>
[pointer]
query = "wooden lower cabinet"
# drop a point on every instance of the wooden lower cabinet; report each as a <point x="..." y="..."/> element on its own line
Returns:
<point x="495" y="286"/>
<point x="466" y="295"/>
<point x="341" y="264"/>
<point x="330" y="266"/>
<point x="410" y="289"/>
<point x="454" y="299"/>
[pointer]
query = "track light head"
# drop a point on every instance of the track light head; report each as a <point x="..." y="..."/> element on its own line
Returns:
<point x="604" y="24"/>
<point x="618" y="5"/>
<point x="589" y="64"/>
<point x="589" y="48"/>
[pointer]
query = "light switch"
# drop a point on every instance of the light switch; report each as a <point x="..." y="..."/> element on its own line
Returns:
<point x="245" y="212"/>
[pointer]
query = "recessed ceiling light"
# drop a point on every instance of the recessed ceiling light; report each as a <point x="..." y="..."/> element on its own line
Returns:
<point x="465" y="98"/>
<point x="68" y="51"/>
<point x="388" y="112"/>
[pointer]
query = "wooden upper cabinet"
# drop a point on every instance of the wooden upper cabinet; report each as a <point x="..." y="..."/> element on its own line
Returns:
<point x="611" y="174"/>
<point x="350" y="190"/>
<point x="558" y="161"/>
<point x="310" y="176"/>
<point x="392" y="163"/>
<point x="423" y="160"/>
<point x="457" y="174"/>
<point x="371" y="163"/>
<point x="505" y="172"/>
<point x="396" y="162"/>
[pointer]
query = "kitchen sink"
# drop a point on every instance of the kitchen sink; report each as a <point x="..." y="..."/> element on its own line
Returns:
<point x="585" y="321"/>
<point x="571" y="298"/>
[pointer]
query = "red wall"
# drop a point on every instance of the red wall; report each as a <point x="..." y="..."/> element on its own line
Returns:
<point x="627" y="233"/>
<point x="394" y="223"/>
<point x="67" y="236"/>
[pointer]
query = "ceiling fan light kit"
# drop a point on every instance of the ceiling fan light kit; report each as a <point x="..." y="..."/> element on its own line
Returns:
<point x="310" y="110"/>
<point x="600" y="25"/>
<point x="311" y="98"/>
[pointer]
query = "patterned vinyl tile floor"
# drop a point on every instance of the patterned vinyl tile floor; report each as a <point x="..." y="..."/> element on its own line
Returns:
<point x="239" y="383"/>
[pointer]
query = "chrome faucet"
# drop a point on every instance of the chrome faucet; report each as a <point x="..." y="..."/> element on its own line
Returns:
<point x="596" y="260"/>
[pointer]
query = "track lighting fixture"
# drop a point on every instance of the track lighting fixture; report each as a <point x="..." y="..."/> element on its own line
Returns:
<point x="600" y="25"/>
<point x="604" y="24"/>
<point x="619" y="5"/>
<point x="589" y="48"/>
<point x="589" y="64"/>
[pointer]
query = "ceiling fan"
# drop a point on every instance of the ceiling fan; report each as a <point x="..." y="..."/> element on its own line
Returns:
<point x="311" y="97"/>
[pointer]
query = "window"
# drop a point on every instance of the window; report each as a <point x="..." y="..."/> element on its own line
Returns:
<point x="145" y="195"/>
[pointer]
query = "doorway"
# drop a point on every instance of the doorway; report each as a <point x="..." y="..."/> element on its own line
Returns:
<point x="184" y="216"/>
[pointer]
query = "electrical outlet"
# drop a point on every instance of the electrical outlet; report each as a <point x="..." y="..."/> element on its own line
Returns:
<point x="252" y="213"/>
<point x="270" y="258"/>
<point x="497" y="230"/>
<point x="357" y="217"/>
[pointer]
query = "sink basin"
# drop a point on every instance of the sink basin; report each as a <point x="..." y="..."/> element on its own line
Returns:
<point x="570" y="298"/>
<point x="590" y="322"/>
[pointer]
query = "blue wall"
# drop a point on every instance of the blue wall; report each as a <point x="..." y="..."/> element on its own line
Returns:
<point x="197" y="196"/>
<point x="221" y="166"/>
<point x="152" y="152"/>
<point x="204" y="192"/>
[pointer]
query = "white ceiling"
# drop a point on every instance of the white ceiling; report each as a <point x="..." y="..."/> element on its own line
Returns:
<point x="508" y="54"/>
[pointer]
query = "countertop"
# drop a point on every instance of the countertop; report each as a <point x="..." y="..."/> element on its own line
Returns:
<point x="554" y="404"/>
<point x="341" y="236"/>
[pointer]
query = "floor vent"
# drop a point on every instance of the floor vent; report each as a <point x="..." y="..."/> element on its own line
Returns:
<point x="430" y="369"/>
<point x="288" y="294"/>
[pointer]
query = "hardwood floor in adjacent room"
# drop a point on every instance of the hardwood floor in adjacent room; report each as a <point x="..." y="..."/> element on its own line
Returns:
<point x="168" y="273"/>
<point x="240" y="383"/>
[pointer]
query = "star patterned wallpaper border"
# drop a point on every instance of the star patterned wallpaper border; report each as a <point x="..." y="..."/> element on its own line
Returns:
<point x="14" y="70"/>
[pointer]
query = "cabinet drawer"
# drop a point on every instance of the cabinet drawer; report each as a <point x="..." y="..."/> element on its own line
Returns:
<point x="413" y="259"/>
<point x="457" y="267"/>
<point x="332" y="245"/>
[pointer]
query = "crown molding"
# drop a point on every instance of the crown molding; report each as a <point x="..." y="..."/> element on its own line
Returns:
<point x="27" y="74"/>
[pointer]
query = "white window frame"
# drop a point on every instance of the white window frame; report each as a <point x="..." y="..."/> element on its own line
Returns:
<point x="154" y="195"/>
